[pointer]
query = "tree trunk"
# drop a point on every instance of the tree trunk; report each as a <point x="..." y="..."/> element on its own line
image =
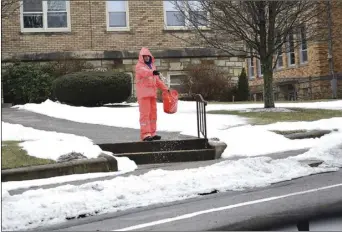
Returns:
<point x="268" y="86"/>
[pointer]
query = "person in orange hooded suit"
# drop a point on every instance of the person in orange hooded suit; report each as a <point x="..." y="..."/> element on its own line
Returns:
<point x="147" y="83"/>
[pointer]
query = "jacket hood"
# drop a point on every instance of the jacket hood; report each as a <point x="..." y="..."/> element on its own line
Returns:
<point x="145" y="52"/>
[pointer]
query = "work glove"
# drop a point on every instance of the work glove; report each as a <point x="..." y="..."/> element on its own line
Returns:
<point x="155" y="72"/>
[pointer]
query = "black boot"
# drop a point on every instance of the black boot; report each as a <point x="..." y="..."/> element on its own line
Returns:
<point x="156" y="137"/>
<point x="148" y="139"/>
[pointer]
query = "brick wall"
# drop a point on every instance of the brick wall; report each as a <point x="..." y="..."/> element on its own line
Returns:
<point x="337" y="35"/>
<point x="89" y="31"/>
<point x="317" y="66"/>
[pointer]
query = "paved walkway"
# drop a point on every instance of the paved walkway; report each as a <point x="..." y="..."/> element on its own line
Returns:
<point x="97" y="133"/>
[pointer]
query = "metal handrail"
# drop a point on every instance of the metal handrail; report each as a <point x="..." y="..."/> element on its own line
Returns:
<point x="201" y="116"/>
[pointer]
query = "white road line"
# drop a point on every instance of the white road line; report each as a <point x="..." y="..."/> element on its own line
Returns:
<point x="190" y="215"/>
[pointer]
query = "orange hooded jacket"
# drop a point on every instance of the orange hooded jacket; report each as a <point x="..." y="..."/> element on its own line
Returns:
<point x="146" y="83"/>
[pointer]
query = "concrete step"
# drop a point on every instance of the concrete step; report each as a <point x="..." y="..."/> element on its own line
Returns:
<point x="155" y="146"/>
<point x="170" y="156"/>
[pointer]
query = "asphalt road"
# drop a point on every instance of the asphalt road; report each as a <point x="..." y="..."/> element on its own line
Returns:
<point x="255" y="209"/>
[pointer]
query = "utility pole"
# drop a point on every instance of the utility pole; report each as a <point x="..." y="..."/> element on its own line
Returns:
<point x="333" y="81"/>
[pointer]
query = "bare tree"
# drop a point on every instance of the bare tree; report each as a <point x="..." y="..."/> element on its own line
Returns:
<point x="254" y="29"/>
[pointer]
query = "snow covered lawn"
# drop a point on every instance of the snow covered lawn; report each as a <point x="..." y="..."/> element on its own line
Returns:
<point x="159" y="186"/>
<point x="48" y="144"/>
<point x="52" y="145"/>
<point x="13" y="156"/>
<point x="242" y="139"/>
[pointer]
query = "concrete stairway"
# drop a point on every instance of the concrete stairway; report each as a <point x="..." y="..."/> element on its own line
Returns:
<point x="163" y="151"/>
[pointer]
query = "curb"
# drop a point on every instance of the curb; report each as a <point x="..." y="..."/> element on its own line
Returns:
<point x="219" y="147"/>
<point x="308" y="135"/>
<point x="104" y="163"/>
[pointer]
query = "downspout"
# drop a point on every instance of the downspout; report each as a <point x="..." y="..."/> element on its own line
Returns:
<point x="333" y="81"/>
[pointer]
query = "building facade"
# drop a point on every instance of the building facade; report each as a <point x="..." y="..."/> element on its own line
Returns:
<point x="303" y="72"/>
<point x="108" y="34"/>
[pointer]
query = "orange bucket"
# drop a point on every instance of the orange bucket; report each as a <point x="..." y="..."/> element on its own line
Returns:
<point x="170" y="101"/>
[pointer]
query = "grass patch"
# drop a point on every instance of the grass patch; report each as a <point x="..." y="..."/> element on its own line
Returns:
<point x="261" y="102"/>
<point x="13" y="156"/>
<point x="289" y="132"/>
<point x="261" y="118"/>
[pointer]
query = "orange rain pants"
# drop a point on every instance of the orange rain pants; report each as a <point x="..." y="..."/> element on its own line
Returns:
<point x="146" y="90"/>
<point x="148" y="117"/>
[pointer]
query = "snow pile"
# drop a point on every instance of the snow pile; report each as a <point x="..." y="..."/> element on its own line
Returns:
<point x="52" y="145"/>
<point x="124" y="165"/>
<point x="159" y="186"/>
<point x="328" y="149"/>
<point x="254" y="140"/>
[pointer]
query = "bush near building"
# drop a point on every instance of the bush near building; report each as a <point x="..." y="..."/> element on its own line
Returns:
<point x="212" y="82"/>
<point x="243" y="87"/>
<point x="93" y="88"/>
<point x="26" y="83"/>
<point x="31" y="82"/>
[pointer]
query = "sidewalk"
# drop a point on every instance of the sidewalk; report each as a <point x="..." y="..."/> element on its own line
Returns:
<point x="97" y="133"/>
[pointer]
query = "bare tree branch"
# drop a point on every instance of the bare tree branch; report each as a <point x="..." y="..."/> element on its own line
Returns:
<point x="259" y="29"/>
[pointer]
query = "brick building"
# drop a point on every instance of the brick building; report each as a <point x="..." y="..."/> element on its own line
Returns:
<point x="302" y="73"/>
<point x="109" y="34"/>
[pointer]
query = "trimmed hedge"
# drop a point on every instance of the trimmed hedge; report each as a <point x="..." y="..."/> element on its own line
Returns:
<point x="93" y="88"/>
<point x="26" y="83"/>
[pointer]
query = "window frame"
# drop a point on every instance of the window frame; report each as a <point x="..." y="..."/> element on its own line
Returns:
<point x="288" y="51"/>
<point x="127" y="28"/>
<point x="45" y="18"/>
<point x="279" y="57"/>
<point x="173" y="73"/>
<point x="250" y="64"/>
<point x="260" y="73"/>
<point x="187" y="22"/>
<point x="133" y="92"/>
<point x="301" y="48"/>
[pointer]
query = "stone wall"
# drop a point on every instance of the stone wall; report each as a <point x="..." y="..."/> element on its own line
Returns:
<point x="169" y="66"/>
<point x="169" y="62"/>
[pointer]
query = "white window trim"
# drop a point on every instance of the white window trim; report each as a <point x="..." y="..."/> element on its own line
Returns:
<point x="288" y="53"/>
<point x="249" y="66"/>
<point x="187" y="23"/>
<point x="133" y="83"/>
<point x="173" y="73"/>
<point x="280" y="57"/>
<point x="45" y="29"/>
<point x="118" y="28"/>
<point x="260" y="74"/>
<point x="301" y="51"/>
